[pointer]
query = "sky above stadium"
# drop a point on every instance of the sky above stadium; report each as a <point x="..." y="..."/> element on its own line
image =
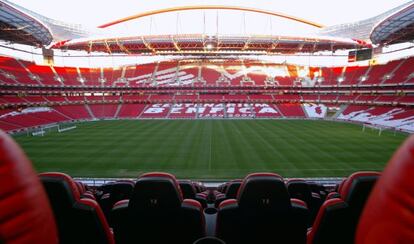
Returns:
<point x="96" y="12"/>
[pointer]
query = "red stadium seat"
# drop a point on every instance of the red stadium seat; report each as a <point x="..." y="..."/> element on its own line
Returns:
<point x="338" y="217"/>
<point x="300" y="189"/>
<point x="78" y="220"/>
<point x="118" y="191"/>
<point x="26" y="216"/>
<point x="231" y="191"/>
<point x="262" y="213"/>
<point x="388" y="216"/>
<point x="157" y="213"/>
<point x="190" y="192"/>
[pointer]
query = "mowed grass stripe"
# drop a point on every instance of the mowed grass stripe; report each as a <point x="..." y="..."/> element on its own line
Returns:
<point x="211" y="149"/>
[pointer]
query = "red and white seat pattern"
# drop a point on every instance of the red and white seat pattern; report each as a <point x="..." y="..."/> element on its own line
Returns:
<point x="183" y="110"/>
<point x="387" y="116"/>
<point x="223" y="73"/>
<point x="315" y="110"/>
<point x="156" y="111"/>
<point x="396" y="117"/>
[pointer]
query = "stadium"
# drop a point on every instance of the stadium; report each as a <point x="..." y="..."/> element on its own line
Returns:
<point x="188" y="122"/>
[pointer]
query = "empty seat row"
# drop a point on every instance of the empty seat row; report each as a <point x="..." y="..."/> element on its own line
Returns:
<point x="297" y="188"/>
<point x="262" y="211"/>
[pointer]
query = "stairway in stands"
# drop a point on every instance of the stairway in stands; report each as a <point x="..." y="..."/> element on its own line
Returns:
<point x="90" y="111"/>
<point x="117" y="110"/>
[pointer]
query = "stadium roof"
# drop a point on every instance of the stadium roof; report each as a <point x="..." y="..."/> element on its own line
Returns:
<point x="18" y="26"/>
<point x="199" y="43"/>
<point x="396" y="28"/>
<point x="361" y="29"/>
<point x="21" y="25"/>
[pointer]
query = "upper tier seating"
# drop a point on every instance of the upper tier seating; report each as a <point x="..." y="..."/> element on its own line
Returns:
<point x="43" y="74"/>
<point x="14" y="72"/>
<point x="330" y="76"/>
<point x="141" y="76"/>
<point x="353" y="75"/>
<point x="25" y="215"/>
<point x="68" y="75"/>
<point x="401" y="75"/>
<point x="337" y="218"/>
<point x="223" y="74"/>
<point x="262" y="213"/>
<point x="157" y="213"/>
<point x="79" y="220"/>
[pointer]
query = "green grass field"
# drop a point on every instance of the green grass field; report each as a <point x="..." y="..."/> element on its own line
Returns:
<point x="211" y="149"/>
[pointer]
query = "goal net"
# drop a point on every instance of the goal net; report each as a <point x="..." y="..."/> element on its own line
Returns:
<point x="51" y="128"/>
<point x="378" y="128"/>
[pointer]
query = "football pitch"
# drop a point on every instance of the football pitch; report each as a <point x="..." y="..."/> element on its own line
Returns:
<point x="211" y="149"/>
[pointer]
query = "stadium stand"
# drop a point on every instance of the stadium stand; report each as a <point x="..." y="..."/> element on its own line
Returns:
<point x="205" y="74"/>
<point x="186" y="110"/>
<point x="103" y="110"/>
<point x="130" y="110"/>
<point x="291" y="110"/>
<point x="15" y="119"/>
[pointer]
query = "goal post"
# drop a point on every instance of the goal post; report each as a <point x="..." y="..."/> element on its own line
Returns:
<point x="371" y="127"/>
<point x="63" y="129"/>
<point x="38" y="133"/>
<point x="41" y="131"/>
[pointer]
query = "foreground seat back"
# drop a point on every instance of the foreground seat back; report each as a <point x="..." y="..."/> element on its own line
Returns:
<point x="78" y="220"/>
<point x="388" y="216"/>
<point x="188" y="189"/>
<point x="262" y="213"/>
<point x="230" y="191"/>
<point x="337" y="218"/>
<point x="119" y="190"/>
<point x="122" y="190"/>
<point x="157" y="213"/>
<point x="233" y="189"/>
<point x="300" y="189"/>
<point x="25" y="215"/>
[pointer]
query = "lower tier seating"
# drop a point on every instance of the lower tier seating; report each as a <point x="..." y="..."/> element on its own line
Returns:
<point x="383" y="116"/>
<point x="393" y="117"/>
